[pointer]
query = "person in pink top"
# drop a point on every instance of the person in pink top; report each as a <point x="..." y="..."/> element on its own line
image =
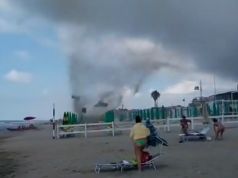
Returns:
<point x="184" y="124"/>
<point x="218" y="129"/>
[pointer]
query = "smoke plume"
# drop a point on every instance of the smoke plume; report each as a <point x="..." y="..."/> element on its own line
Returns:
<point x="103" y="68"/>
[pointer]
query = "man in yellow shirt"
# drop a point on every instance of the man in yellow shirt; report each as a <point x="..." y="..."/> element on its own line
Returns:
<point x="139" y="134"/>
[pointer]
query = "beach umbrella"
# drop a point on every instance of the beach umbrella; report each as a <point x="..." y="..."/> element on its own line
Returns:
<point x="29" y="118"/>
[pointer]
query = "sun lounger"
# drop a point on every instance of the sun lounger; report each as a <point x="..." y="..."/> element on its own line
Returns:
<point x="195" y="135"/>
<point x="125" y="165"/>
<point x="148" y="164"/>
<point x="107" y="167"/>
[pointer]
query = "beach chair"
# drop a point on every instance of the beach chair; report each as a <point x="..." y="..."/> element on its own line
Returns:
<point x="152" y="162"/>
<point x="107" y="167"/>
<point x="195" y="135"/>
<point x="154" y="138"/>
<point x="126" y="165"/>
<point x="147" y="164"/>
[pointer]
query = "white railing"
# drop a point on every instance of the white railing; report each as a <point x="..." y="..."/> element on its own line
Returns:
<point x="166" y="124"/>
<point x="175" y="122"/>
<point x="84" y="129"/>
<point x="195" y="121"/>
<point x="227" y="120"/>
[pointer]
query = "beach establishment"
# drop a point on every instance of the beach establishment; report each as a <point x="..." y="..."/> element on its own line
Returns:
<point x="220" y="104"/>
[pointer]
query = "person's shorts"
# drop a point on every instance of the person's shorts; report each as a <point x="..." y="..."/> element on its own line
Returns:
<point x="140" y="143"/>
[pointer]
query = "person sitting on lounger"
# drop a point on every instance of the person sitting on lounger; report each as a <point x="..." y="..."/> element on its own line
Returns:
<point x="218" y="129"/>
<point x="139" y="134"/>
<point x="184" y="125"/>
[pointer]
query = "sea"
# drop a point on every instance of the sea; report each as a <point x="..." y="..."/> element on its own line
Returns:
<point x="4" y="124"/>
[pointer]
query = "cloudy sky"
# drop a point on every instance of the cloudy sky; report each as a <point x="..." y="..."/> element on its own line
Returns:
<point x="113" y="51"/>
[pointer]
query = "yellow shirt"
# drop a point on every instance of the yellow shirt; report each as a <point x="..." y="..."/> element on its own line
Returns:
<point x="139" y="131"/>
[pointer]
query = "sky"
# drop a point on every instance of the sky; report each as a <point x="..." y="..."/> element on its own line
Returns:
<point x="113" y="51"/>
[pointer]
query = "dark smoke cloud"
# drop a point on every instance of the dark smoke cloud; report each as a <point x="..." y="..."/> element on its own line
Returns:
<point x="205" y="30"/>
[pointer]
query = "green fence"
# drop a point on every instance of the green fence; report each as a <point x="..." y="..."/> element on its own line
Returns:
<point x="214" y="108"/>
<point x="223" y="107"/>
<point x="70" y="118"/>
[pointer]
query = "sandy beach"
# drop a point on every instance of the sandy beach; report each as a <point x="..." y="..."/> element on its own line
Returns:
<point x="35" y="154"/>
<point x="8" y="163"/>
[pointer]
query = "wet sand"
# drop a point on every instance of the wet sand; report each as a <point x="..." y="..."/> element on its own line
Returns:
<point x="39" y="156"/>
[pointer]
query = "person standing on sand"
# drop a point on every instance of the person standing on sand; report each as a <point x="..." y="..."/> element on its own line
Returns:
<point x="218" y="129"/>
<point x="139" y="134"/>
<point x="184" y="124"/>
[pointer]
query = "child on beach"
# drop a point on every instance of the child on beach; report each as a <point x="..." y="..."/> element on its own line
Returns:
<point x="218" y="129"/>
<point x="184" y="124"/>
<point x="139" y="134"/>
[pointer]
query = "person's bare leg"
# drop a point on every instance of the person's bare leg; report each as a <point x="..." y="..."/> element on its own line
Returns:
<point x="185" y="131"/>
<point x="135" y="151"/>
<point x="216" y="133"/>
<point x="221" y="133"/>
<point x="138" y="157"/>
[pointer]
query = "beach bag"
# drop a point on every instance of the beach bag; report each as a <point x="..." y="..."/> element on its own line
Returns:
<point x="145" y="156"/>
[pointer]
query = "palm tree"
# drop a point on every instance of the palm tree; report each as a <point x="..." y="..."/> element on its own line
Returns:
<point x="155" y="95"/>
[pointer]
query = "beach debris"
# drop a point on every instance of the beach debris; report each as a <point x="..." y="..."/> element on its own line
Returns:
<point x="155" y="95"/>
<point x="75" y="97"/>
<point x="100" y="103"/>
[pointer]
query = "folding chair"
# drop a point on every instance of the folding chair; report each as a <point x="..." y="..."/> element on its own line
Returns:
<point x="152" y="162"/>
